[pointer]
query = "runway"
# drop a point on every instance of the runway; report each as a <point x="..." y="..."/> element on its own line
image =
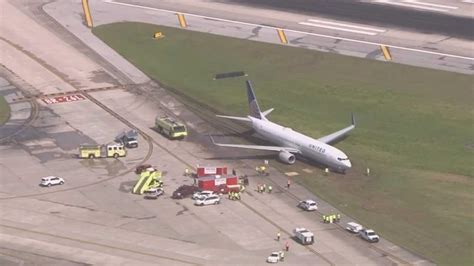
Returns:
<point x="343" y="37"/>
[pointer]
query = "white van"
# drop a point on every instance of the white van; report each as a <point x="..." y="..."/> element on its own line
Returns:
<point x="354" y="227"/>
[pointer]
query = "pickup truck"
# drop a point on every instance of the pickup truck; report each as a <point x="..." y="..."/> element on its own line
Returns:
<point x="369" y="235"/>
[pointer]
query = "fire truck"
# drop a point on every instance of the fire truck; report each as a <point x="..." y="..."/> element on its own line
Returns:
<point x="114" y="150"/>
<point x="170" y="128"/>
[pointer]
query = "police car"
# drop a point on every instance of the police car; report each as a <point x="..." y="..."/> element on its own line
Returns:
<point x="153" y="193"/>
<point x="51" y="181"/>
<point x="210" y="200"/>
<point x="203" y="194"/>
<point x="308" y="205"/>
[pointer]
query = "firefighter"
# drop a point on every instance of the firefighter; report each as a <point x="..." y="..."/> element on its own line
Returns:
<point x="263" y="169"/>
<point x="186" y="172"/>
<point x="282" y="256"/>
<point x="278" y="236"/>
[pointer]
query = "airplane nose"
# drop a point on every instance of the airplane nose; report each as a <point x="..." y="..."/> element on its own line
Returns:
<point x="348" y="164"/>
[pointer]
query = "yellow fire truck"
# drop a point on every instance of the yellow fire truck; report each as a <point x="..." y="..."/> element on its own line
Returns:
<point x="114" y="150"/>
<point x="170" y="128"/>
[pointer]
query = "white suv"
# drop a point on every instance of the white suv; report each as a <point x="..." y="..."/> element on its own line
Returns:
<point x="308" y="205"/>
<point x="369" y="235"/>
<point x="51" y="181"/>
<point x="213" y="199"/>
<point x="203" y="194"/>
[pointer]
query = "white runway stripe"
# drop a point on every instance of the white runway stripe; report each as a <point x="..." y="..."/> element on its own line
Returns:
<point x="336" y="28"/>
<point x="412" y="5"/>
<point x="346" y="25"/>
<point x="430" y="4"/>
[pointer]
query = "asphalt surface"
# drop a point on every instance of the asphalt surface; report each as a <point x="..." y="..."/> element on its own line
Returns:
<point x="374" y="14"/>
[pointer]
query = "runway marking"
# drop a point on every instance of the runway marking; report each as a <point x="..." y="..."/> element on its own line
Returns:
<point x="468" y="1"/>
<point x="64" y="99"/>
<point x="294" y="31"/>
<point x="418" y="5"/>
<point x="345" y="25"/>
<point x="342" y="26"/>
<point x="386" y="52"/>
<point x="430" y="4"/>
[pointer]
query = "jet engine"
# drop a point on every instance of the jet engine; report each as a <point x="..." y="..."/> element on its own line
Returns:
<point x="286" y="157"/>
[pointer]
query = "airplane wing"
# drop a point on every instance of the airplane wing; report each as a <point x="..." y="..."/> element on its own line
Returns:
<point x="338" y="134"/>
<point x="235" y="118"/>
<point x="257" y="147"/>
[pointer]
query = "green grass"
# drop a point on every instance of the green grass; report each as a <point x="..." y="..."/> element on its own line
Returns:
<point x="414" y="125"/>
<point x="4" y="111"/>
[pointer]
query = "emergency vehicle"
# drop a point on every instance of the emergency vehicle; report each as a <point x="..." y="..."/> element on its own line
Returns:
<point x="114" y="150"/>
<point x="170" y="128"/>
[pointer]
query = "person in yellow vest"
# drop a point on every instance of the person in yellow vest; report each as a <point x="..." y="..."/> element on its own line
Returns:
<point x="270" y="189"/>
<point x="264" y="188"/>
<point x="338" y="217"/>
<point x="324" y="218"/>
<point x="330" y="219"/>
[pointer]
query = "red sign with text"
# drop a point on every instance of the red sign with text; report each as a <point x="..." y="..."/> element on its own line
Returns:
<point x="64" y="99"/>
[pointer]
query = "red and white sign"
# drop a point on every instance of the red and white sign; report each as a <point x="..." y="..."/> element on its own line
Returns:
<point x="210" y="171"/>
<point x="220" y="181"/>
<point x="64" y="99"/>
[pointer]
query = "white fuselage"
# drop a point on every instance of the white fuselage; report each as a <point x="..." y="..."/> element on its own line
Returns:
<point x="310" y="148"/>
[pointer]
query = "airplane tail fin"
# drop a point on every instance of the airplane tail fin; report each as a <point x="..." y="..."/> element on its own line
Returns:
<point x="253" y="104"/>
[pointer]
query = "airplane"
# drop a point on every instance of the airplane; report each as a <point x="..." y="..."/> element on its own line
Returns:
<point x="291" y="142"/>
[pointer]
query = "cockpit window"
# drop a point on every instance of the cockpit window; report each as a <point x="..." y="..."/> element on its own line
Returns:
<point x="342" y="159"/>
